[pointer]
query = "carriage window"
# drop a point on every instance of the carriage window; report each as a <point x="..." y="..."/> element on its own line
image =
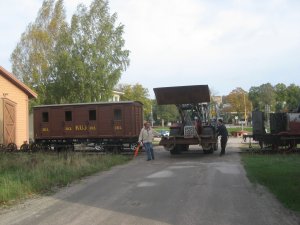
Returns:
<point x="45" y="117"/>
<point x="92" y="115"/>
<point x="68" y="115"/>
<point x="117" y="114"/>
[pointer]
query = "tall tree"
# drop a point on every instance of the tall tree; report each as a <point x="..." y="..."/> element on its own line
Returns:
<point x="97" y="51"/>
<point x="77" y="63"/>
<point x="262" y="96"/>
<point x="239" y="102"/>
<point x="32" y="56"/>
<point x="254" y="96"/>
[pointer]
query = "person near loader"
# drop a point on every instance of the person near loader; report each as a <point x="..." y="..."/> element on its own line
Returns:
<point x="222" y="131"/>
<point x="146" y="137"/>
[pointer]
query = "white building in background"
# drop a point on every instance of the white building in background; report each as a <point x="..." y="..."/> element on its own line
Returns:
<point x="217" y="99"/>
<point x="116" y="95"/>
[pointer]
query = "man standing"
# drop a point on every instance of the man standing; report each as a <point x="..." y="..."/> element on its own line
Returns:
<point x="222" y="131"/>
<point x="145" y="138"/>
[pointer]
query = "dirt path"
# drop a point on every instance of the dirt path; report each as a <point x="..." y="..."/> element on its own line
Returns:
<point x="191" y="188"/>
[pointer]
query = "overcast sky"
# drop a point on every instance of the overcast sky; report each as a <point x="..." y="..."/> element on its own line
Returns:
<point x="222" y="43"/>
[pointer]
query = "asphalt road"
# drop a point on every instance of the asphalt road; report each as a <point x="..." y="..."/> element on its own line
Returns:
<point x="191" y="188"/>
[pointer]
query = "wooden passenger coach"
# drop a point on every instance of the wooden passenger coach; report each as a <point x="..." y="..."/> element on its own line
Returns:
<point x="108" y="125"/>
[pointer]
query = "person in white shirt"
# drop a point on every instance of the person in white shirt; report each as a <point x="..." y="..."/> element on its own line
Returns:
<point x="146" y="137"/>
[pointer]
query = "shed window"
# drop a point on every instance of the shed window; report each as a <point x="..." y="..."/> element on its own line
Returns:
<point x="68" y="115"/>
<point x="45" y="117"/>
<point x="92" y="115"/>
<point x="117" y="114"/>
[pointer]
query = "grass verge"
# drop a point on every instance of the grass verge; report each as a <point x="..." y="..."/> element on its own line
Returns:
<point x="279" y="173"/>
<point x="232" y="129"/>
<point x="23" y="174"/>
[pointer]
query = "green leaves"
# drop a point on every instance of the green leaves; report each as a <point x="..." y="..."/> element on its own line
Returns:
<point x="239" y="102"/>
<point x="81" y="62"/>
<point x="279" y="97"/>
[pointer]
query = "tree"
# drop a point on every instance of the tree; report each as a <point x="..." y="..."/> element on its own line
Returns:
<point x="168" y="113"/>
<point x="239" y="102"/>
<point x="78" y="63"/>
<point x="137" y="93"/>
<point x="262" y="96"/>
<point x="254" y="96"/>
<point x="280" y="97"/>
<point x="97" y="51"/>
<point x="31" y="59"/>
<point x="293" y="97"/>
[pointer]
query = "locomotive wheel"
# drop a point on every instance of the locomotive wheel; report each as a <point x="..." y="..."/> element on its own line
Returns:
<point x="11" y="147"/>
<point x="24" y="147"/>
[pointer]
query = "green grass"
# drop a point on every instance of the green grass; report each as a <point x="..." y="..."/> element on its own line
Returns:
<point x="232" y="129"/>
<point x="279" y="173"/>
<point x="23" y="174"/>
<point x="158" y="129"/>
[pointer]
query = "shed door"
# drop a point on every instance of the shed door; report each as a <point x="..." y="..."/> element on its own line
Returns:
<point x="9" y="122"/>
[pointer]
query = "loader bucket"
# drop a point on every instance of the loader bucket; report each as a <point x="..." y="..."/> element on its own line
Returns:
<point x="182" y="95"/>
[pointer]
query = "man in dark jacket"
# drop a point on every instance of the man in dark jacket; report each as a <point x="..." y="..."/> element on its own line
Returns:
<point x="222" y="131"/>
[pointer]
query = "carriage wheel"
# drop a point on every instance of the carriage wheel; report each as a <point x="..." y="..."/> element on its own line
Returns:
<point x="34" y="147"/>
<point x="275" y="147"/>
<point x="99" y="147"/>
<point x="116" y="150"/>
<point x="46" y="148"/>
<point x="133" y="146"/>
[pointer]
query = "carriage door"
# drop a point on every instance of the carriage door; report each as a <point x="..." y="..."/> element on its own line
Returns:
<point x="9" y="121"/>
<point x="92" y="123"/>
<point x="118" y="121"/>
<point x="68" y="123"/>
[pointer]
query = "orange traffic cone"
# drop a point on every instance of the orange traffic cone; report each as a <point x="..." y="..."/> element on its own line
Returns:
<point x="137" y="150"/>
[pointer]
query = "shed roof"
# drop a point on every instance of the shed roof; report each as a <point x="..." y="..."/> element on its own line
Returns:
<point x="13" y="79"/>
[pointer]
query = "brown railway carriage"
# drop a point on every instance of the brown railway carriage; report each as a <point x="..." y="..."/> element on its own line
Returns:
<point x="108" y="125"/>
